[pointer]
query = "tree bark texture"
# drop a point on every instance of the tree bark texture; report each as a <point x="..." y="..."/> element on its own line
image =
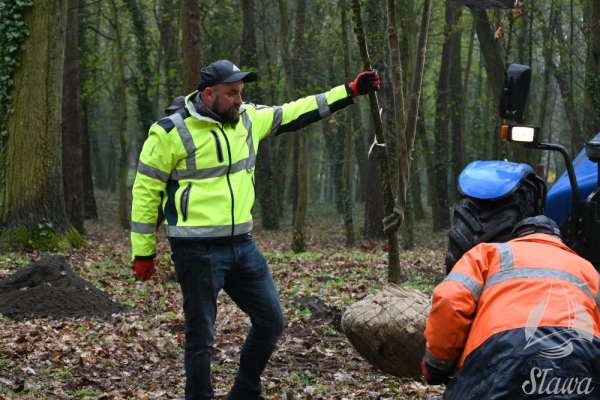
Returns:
<point x="386" y="186"/>
<point x="33" y="190"/>
<point x="455" y="106"/>
<point x="592" y="77"/>
<point x="191" y="44"/>
<point x="442" y="122"/>
<point x="346" y="196"/>
<point x="71" y="123"/>
<point x="168" y="17"/>
<point x="121" y="107"/>
<point x="301" y="165"/>
<point x="249" y="50"/>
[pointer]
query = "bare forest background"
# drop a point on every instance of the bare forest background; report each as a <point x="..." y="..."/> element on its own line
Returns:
<point x="82" y="81"/>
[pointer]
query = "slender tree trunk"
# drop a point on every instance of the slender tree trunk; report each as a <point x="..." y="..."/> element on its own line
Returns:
<point x="347" y="117"/>
<point x="430" y="164"/>
<point x="563" y="78"/>
<point x="382" y="156"/>
<point x="301" y="167"/>
<point x="403" y="175"/>
<point x="492" y="55"/>
<point x="140" y="83"/>
<point x="87" y="44"/>
<point x="374" y="212"/>
<point x="592" y="75"/>
<point x="121" y="108"/>
<point x="284" y="149"/>
<point x="442" y="219"/>
<point x="415" y="189"/>
<point x="249" y="49"/>
<point x="266" y="181"/>
<point x="455" y="108"/>
<point x="71" y="124"/>
<point x="168" y="17"/>
<point x="90" y="211"/>
<point x="191" y="44"/>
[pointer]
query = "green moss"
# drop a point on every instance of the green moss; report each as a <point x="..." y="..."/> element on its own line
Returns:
<point x="76" y="239"/>
<point x="42" y="237"/>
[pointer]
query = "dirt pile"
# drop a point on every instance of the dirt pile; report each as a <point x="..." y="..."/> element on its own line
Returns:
<point x="50" y="288"/>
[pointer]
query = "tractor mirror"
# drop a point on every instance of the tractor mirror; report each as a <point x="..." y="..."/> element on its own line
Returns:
<point x="514" y="94"/>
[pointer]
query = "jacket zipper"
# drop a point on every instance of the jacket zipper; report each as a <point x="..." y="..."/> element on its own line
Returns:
<point x="229" y="185"/>
<point x="218" y="144"/>
<point x="185" y="202"/>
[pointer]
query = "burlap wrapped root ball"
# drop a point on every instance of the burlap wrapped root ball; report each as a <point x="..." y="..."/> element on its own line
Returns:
<point x="388" y="329"/>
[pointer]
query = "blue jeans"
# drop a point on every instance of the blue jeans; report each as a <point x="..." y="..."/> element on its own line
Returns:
<point x="238" y="267"/>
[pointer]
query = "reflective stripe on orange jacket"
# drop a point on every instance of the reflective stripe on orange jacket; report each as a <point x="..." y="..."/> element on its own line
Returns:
<point x="496" y="287"/>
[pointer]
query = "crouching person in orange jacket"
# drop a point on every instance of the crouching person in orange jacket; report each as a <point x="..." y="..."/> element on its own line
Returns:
<point x="517" y="320"/>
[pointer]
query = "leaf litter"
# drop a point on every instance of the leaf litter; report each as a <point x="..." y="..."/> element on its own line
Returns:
<point x="134" y="350"/>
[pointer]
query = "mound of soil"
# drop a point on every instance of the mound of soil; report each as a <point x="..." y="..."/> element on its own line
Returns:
<point x="50" y="288"/>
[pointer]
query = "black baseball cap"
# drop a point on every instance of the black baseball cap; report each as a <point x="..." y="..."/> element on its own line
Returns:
<point x="536" y="224"/>
<point x="223" y="71"/>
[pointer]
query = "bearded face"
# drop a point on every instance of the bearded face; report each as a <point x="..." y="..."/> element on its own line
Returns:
<point x="225" y="99"/>
<point x="229" y="113"/>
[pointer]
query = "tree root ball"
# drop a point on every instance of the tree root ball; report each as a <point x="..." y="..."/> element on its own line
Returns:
<point x="388" y="329"/>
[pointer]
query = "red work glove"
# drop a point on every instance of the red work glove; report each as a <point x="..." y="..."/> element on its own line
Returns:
<point x="434" y="376"/>
<point x="144" y="268"/>
<point x="365" y="82"/>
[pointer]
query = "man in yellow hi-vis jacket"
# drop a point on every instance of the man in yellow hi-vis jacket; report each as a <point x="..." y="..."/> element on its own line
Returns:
<point x="198" y="164"/>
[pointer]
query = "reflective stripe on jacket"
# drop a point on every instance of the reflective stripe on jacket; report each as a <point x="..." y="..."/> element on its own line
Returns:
<point x="203" y="170"/>
<point x="516" y="287"/>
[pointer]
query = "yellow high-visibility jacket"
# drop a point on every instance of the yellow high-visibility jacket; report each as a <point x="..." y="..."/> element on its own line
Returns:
<point x="201" y="171"/>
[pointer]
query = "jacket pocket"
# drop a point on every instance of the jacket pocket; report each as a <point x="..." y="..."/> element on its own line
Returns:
<point x="185" y="202"/>
<point x="218" y="145"/>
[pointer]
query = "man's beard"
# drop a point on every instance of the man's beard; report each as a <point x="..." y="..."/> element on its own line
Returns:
<point x="230" y="115"/>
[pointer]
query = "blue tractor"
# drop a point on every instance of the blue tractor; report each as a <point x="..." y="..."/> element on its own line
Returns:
<point x="496" y="195"/>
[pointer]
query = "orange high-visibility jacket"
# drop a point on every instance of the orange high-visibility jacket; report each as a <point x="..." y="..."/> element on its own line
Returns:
<point x="504" y="295"/>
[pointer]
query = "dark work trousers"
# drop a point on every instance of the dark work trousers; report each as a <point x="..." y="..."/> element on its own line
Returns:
<point x="235" y="265"/>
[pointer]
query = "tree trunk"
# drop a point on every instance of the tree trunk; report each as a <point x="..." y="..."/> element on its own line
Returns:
<point x="442" y="219"/>
<point x="415" y="189"/>
<point x="32" y="207"/>
<point x="565" y="84"/>
<point x="266" y="176"/>
<point x="89" y="79"/>
<point x="90" y="211"/>
<point x="71" y="124"/>
<point x="455" y="108"/>
<point x="301" y="166"/>
<point x="492" y="56"/>
<point x="346" y="198"/>
<point x="140" y="81"/>
<point x="430" y="164"/>
<point x="168" y="19"/>
<point x="191" y="44"/>
<point x="592" y="75"/>
<point x="249" y="50"/>
<point x="403" y="151"/>
<point x="374" y="212"/>
<point x="121" y="108"/>
<point x="382" y="156"/>
<point x="284" y="147"/>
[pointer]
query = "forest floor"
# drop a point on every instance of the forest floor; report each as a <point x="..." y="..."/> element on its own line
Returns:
<point x="137" y="351"/>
